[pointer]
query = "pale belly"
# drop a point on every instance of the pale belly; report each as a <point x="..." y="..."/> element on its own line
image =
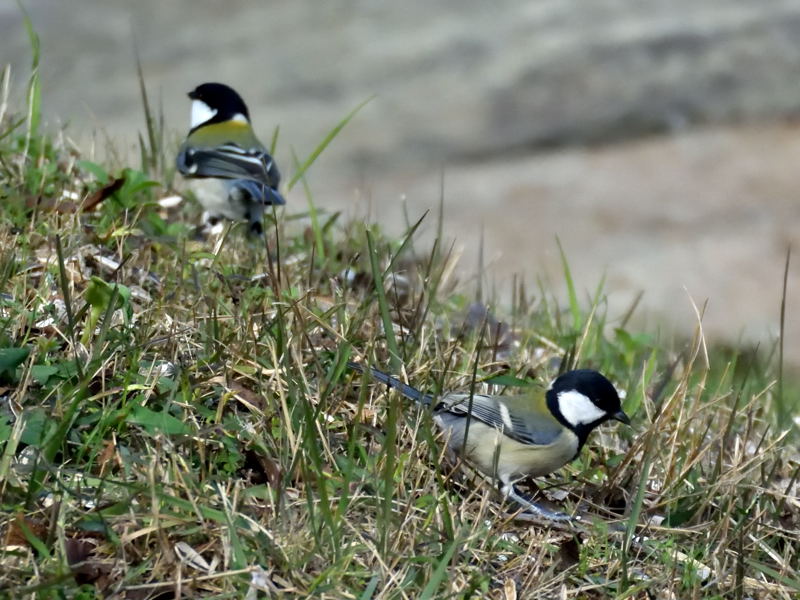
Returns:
<point x="521" y="460"/>
<point x="213" y="194"/>
<point x="504" y="458"/>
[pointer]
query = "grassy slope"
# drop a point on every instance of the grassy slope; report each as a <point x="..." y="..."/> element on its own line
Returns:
<point x="174" y="416"/>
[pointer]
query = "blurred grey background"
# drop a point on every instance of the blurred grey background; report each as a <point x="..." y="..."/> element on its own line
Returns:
<point x="658" y="140"/>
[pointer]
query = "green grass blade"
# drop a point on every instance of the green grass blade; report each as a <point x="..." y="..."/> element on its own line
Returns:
<point x="439" y="572"/>
<point x="633" y="517"/>
<point x="574" y="306"/>
<point x="387" y="475"/>
<point x="34" y="96"/>
<point x="370" y="589"/>
<point x="64" y="285"/>
<point x="313" y="215"/>
<point x="152" y="151"/>
<point x="782" y="408"/>
<point x="790" y="582"/>
<point x="383" y="306"/>
<point x="324" y="144"/>
<point x="273" y="143"/>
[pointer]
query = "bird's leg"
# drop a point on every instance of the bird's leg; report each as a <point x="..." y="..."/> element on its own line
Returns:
<point x="255" y="216"/>
<point x="508" y="490"/>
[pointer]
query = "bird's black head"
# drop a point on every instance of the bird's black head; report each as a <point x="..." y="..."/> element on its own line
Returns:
<point x="216" y="102"/>
<point x="582" y="400"/>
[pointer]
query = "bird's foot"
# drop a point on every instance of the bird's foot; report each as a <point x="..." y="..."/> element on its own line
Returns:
<point x="534" y="508"/>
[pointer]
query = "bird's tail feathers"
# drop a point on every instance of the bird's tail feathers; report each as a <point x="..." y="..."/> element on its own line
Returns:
<point x="260" y="192"/>
<point x="273" y="197"/>
<point x="393" y="382"/>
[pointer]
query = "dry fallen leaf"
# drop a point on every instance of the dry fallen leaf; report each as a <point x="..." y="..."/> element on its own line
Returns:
<point x="101" y="194"/>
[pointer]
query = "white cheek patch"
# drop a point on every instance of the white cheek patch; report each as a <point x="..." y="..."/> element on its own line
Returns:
<point x="578" y="409"/>
<point x="201" y="112"/>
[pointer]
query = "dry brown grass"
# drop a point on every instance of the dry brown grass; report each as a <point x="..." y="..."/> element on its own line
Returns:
<point x="175" y="418"/>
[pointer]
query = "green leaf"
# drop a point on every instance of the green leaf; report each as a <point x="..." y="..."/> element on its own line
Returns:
<point x="37" y="424"/>
<point x="99" y="172"/>
<point x="69" y="369"/>
<point x="11" y="358"/>
<point x="5" y="430"/>
<point x="153" y="422"/>
<point x="203" y="255"/>
<point x="632" y="343"/>
<point x="42" y="373"/>
<point x="37" y="544"/>
<point x="99" y="294"/>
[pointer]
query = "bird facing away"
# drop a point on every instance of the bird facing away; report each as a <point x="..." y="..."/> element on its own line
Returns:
<point x="512" y="437"/>
<point x="230" y="171"/>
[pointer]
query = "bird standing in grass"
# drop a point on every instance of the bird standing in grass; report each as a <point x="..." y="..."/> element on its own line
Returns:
<point x="231" y="173"/>
<point x="512" y="437"/>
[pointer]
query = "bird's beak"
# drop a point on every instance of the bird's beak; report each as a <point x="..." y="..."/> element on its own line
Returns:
<point x="192" y="95"/>
<point x="621" y="417"/>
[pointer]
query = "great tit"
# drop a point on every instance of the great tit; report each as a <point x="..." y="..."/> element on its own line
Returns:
<point x="512" y="437"/>
<point x="231" y="173"/>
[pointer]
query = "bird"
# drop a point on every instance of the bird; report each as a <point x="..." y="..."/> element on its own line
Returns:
<point x="230" y="171"/>
<point x="511" y="437"/>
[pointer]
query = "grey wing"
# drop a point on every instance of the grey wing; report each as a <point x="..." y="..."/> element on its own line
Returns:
<point x="229" y="161"/>
<point x="538" y="430"/>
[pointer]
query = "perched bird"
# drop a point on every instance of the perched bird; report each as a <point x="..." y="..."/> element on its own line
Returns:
<point x="230" y="171"/>
<point x="512" y="437"/>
